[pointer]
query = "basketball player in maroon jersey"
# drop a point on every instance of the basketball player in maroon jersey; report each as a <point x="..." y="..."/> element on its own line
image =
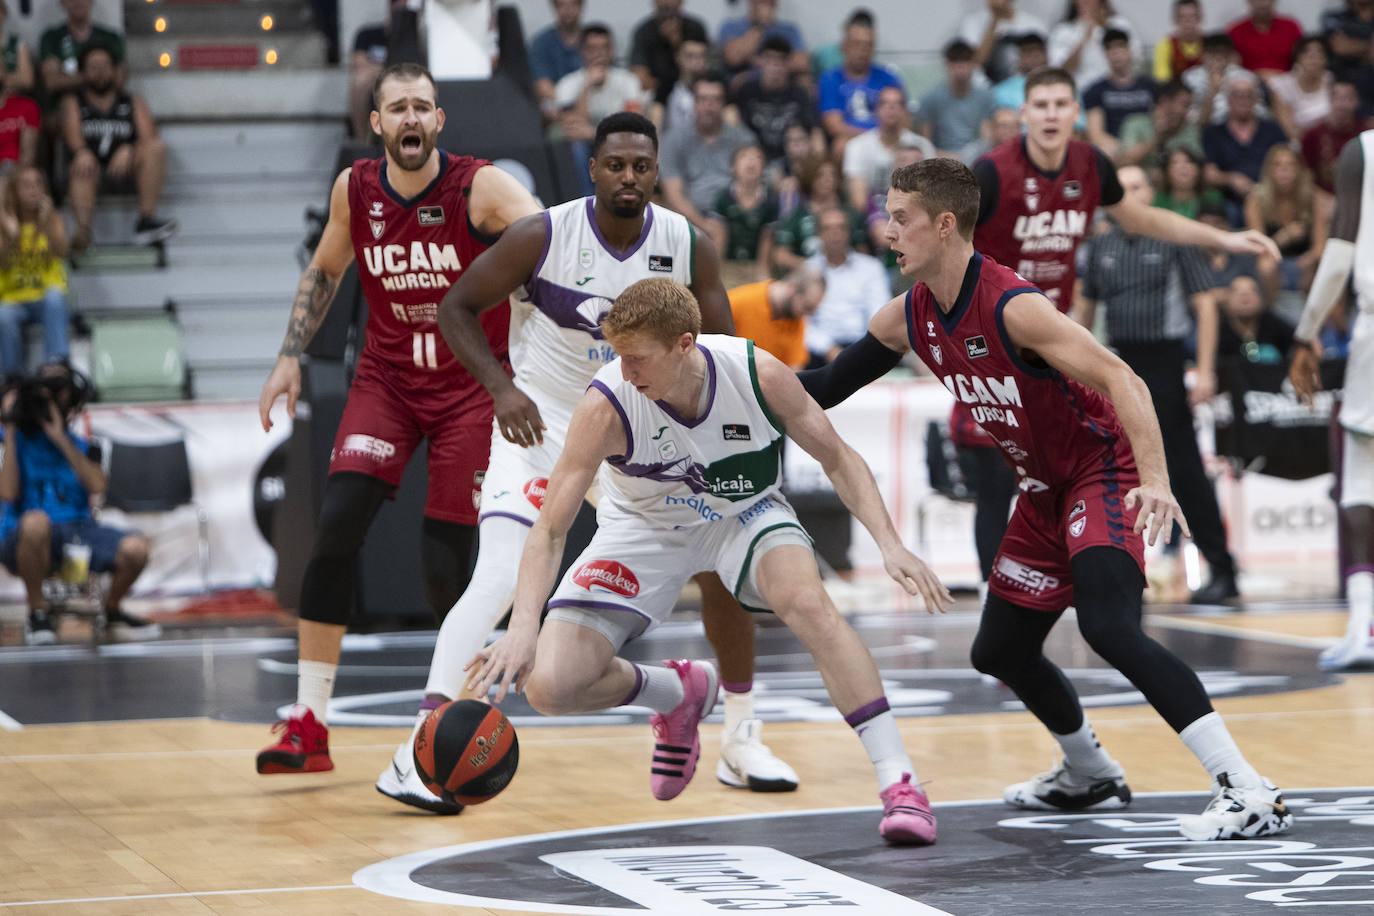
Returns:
<point x="413" y="219"/>
<point x="1039" y="193"/>
<point x="1079" y="430"/>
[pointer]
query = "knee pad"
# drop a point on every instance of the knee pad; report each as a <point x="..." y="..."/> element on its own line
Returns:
<point x="329" y="587"/>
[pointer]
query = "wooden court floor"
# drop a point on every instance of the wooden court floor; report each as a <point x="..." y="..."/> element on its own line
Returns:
<point x="168" y="816"/>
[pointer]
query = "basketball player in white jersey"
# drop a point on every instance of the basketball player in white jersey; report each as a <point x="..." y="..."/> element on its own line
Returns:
<point x="1350" y="247"/>
<point x="690" y="427"/>
<point x="564" y="267"/>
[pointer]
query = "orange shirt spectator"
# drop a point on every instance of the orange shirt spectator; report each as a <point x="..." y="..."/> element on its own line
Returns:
<point x="773" y="313"/>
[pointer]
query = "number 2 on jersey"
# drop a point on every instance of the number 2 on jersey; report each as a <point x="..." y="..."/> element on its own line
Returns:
<point x="422" y="347"/>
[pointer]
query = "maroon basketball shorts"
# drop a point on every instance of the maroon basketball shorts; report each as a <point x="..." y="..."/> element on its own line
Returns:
<point x="1048" y="529"/>
<point x="384" y="423"/>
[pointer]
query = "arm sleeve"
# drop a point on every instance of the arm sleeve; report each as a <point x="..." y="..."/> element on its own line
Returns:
<point x="1107" y="179"/>
<point x="861" y="362"/>
<point x="986" y="174"/>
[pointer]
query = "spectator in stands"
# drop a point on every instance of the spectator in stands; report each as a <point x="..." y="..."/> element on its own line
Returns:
<point x="1122" y="93"/>
<point x="1208" y="80"/>
<point x="696" y="158"/>
<point x="1147" y="139"/>
<point x="33" y="270"/>
<point x="1222" y="264"/>
<point x="1181" y="49"/>
<point x="1265" y="40"/>
<point x="742" y="218"/>
<point x="1284" y="206"/>
<point x="771" y="100"/>
<point x="47" y="481"/>
<point x="868" y="157"/>
<point x="1322" y="143"/>
<point x="20" y="122"/>
<point x="59" y="50"/>
<point x="1076" y="43"/>
<point x="773" y="313"/>
<point x="15" y="56"/>
<point x="743" y="38"/>
<point x="1348" y="33"/>
<point x="1181" y="188"/>
<point x="364" y="64"/>
<point x="555" y="51"/>
<point x="994" y="33"/>
<point x="830" y="55"/>
<point x="849" y="93"/>
<point x="1236" y="149"/>
<point x="653" y="52"/>
<point x="876" y="216"/>
<point x="1031" y="56"/>
<point x="1249" y="331"/>
<point x="595" y="91"/>
<point x="1302" y="96"/>
<point x="783" y="176"/>
<point x="692" y="64"/>
<point x="113" y="141"/>
<point x="797" y="236"/>
<point x="856" y="285"/>
<point x="954" y="115"/>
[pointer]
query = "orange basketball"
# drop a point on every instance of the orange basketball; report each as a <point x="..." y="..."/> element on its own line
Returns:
<point x="466" y="752"/>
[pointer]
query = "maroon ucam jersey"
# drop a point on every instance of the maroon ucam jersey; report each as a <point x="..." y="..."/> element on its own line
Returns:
<point x="410" y="251"/>
<point x="1052" y="430"/>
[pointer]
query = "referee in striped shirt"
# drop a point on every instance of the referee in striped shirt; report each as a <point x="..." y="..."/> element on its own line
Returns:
<point x="1147" y="286"/>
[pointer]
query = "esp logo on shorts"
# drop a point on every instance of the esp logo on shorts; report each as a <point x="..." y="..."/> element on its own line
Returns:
<point x="607" y="576"/>
<point x="535" y="489"/>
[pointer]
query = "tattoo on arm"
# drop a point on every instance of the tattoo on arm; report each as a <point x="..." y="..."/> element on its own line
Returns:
<point x="313" y="297"/>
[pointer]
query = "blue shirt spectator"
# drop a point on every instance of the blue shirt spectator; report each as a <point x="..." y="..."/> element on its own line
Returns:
<point x="849" y="93"/>
<point x="556" y="50"/>
<point x="740" y="39"/>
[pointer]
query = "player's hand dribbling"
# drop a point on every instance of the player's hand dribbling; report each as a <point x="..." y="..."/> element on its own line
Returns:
<point x="518" y="418"/>
<point x="1305" y="370"/>
<point x="916" y="578"/>
<point x="285" y="379"/>
<point x="1159" y="510"/>
<point x="507" y="661"/>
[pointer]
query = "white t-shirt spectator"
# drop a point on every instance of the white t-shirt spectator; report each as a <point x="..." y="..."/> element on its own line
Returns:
<point x="1308" y="107"/>
<point x="854" y="291"/>
<point x="620" y="92"/>
<point x="1092" y="62"/>
<point x="866" y="157"/>
<point x="1003" y="59"/>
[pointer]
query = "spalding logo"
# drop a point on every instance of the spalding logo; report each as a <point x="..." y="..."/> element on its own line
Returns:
<point x="535" y="490"/>
<point x="608" y="576"/>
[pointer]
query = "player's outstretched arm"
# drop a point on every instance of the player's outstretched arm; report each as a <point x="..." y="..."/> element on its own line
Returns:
<point x="810" y="428"/>
<point x="314" y="295"/>
<point x="866" y="360"/>
<point x="1156" y="222"/>
<point x="594" y="432"/>
<point x="488" y="281"/>
<point x="1333" y="272"/>
<point x="1034" y="324"/>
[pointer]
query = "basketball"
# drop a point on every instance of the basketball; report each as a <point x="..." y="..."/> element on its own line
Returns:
<point x="466" y="752"/>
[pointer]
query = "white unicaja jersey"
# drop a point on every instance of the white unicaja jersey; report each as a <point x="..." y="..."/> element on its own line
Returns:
<point x="678" y="472"/>
<point x="1364" y="235"/>
<point x="555" y="335"/>
<point x="1357" y="402"/>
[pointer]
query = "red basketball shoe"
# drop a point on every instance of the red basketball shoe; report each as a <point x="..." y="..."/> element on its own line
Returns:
<point x="677" y="744"/>
<point x="302" y="748"/>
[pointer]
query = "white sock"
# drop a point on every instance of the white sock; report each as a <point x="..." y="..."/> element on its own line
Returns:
<point x="314" y="686"/>
<point x="658" y="688"/>
<point x="1213" y="746"/>
<point x="1084" y="753"/>
<point x="404" y="753"/>
<point x="739" y="708"/>
<point x="883" y="742"/>
<point x="1359" y="595"/>
<point x="488" y="595"/>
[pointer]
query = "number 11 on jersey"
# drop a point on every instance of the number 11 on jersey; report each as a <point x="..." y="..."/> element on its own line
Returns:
<point x="422" y="346"/>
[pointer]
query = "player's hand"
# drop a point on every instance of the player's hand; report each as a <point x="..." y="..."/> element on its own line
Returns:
<point x="1251" y="241"/>
<point x="285" y="379"/>
<point x="507" y="661"/>
<point x="1159" y="510"/>
<point x="916" y="578"/>
<point x="1305" y="370"/>
<point x="54" y="427"/>
<point x="1203" y="390"/>
<point x="518" y="418"/>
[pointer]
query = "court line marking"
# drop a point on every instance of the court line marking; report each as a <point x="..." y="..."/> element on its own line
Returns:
<point x="257" y="890"/>
<point x="9" y="723"/>
<point x="1218" y="629"/>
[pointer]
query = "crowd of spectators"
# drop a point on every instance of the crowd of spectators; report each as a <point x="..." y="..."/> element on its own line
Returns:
<point x="781" y="151"/>
<point x="69" y="132"/>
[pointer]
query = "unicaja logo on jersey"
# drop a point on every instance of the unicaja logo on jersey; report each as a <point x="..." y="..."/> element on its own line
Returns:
<point x="697" y="504"/>
<point x="607" y="576"/>
<point x="535" y="490"/>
